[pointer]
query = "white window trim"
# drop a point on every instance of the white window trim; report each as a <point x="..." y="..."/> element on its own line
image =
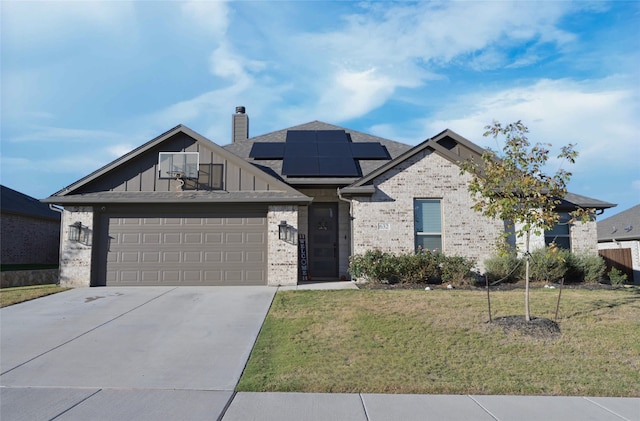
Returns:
<point x="178" y="173"/>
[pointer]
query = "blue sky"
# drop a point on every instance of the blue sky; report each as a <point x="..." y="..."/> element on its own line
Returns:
<point x="85" y="82"/>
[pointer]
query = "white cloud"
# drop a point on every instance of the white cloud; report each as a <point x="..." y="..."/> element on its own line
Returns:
<point x="34" y="24"/>
<point x="210" y="17"/>
<point x="353" y="94"/>
<point x="62" y="134"/>
<point x="120" y="149"/>
<point x="600" y="117"/>
<point x="226" y="63"/>
<point x="387" y="48"/>
<point x="366" y="58"/>
<point x="592" y="114"/>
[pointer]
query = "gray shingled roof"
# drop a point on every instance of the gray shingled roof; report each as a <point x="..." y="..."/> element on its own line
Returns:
<point x="572" y="199"/>
<point x="274" y="167"/>
<point x="621" y="226"/>
<point x="18" y="203"/>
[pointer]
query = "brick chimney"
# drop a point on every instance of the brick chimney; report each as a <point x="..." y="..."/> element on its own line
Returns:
<point x="240" y="125"/>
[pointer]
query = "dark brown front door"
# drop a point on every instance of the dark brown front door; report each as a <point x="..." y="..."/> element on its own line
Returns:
<point x="323" y="241"/>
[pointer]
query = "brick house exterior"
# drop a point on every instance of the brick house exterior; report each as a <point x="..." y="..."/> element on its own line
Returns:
<point x="387" y="217"/>
<point x="253" y="208"/>
<point x="30" y="231"/>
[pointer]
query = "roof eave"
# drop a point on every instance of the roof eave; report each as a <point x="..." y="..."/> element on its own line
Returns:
<point x="366" y="190"/>
<point x="79" y="200"/>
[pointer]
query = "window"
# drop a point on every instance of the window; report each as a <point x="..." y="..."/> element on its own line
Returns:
<point x="178" y="165"/>
<point x="210" y="177"/>
<point x="560" y="234"/>
<point x="427" y="217"/>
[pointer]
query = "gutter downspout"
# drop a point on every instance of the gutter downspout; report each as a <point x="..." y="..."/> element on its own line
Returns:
<point x="350" y="220"/>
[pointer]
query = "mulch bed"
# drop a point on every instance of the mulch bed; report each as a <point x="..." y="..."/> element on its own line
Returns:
<point x="537" y="327"/>
<point x="499" y="287"/>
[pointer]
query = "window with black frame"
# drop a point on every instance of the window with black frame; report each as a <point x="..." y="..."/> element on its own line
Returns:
<point x="561" y="232"/>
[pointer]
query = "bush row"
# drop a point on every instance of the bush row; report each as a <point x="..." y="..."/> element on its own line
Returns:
<point x="425" y="267"/>
<point x="547" y="264"/>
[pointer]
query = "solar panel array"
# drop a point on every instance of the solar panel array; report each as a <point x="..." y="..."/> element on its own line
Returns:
<point x="319" y="153"/>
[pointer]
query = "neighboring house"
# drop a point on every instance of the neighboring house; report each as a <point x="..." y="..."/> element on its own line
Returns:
<point x="619" y="242"/>
<point x="30" y="230"/>
<point x="181" y="210"/>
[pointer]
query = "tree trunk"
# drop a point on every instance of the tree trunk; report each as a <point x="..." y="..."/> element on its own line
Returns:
<point x="527" y="313"/>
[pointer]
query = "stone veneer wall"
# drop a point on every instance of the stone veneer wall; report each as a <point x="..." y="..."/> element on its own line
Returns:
<point x="75" y="257"/>
<point x="282" y="256"/>
<point x="21" y="278"/>
<point x="583" y="237"/>
<point x="386" y="220"/>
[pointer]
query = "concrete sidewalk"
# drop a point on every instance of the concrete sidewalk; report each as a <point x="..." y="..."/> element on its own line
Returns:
<point x="377" y="407"/>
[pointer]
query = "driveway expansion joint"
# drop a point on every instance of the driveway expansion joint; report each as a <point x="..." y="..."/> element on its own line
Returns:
<point x="606" y="409"/>
<point x="483" y="408"/>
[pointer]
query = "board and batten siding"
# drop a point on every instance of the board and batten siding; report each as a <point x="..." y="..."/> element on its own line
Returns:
<point x="140" y="173"/>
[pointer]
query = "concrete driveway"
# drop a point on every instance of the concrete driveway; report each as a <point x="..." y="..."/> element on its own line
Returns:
<point x="128" y="353"/>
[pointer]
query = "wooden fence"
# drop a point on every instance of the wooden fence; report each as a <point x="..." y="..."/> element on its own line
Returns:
<point x="619" y="259"/>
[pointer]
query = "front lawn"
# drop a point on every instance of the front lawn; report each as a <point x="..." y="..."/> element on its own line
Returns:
<point x="9" y="296"/>
<point x="438" y="342"/>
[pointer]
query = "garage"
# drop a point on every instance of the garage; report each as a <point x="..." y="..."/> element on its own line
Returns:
<point x="178" y="249"/>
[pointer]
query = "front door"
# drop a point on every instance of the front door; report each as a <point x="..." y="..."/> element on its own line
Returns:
<point x="323" y="241"/>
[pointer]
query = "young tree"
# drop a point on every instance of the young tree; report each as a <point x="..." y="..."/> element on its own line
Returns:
<point x="512" y="186"/>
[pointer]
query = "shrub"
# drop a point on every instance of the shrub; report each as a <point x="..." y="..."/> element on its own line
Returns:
<point x="379" y="266"/>
<point x="617" y="277"/>
<point x="457" y="270"/>
<point x="507" y="266"/>
<point x="418" y="268"/>
<point x="548" y="264"/>
<point x="585" y="267"/>
<point x="374" y="265"/>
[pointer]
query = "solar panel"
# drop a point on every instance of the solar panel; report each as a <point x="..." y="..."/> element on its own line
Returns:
<point x="298" y="136"/>
<point x="313" y="153"/>
<point x="267" y="150"/>
<point x="369" y="150"/>
<point x="338" y="167"/>
<point x="301" y="167"/>
<point x="298" y="150"/>
<point x="334" y="149"/>
<point x="332" y="136"/>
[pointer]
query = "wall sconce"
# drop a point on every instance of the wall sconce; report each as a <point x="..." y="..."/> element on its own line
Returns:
<point x="286" y="232"/>
<point x="79" y="233"/>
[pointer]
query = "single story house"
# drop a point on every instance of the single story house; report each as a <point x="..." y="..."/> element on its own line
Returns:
<point x="273" y="209"/>
<point x="29" y="230"/>
<point x="619" y="242"/>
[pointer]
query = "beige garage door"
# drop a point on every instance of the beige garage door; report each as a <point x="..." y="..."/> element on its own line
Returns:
<point x="193" y="250"/>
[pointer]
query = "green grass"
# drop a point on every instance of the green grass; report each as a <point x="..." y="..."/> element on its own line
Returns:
<point x="9" y="296"/>
<point x="438" y="342"/>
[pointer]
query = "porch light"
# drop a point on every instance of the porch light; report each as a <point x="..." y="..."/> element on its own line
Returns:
<point x="75" y="232"/>
<point x="282" y="230"/>
<point x="286" y="232"/>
